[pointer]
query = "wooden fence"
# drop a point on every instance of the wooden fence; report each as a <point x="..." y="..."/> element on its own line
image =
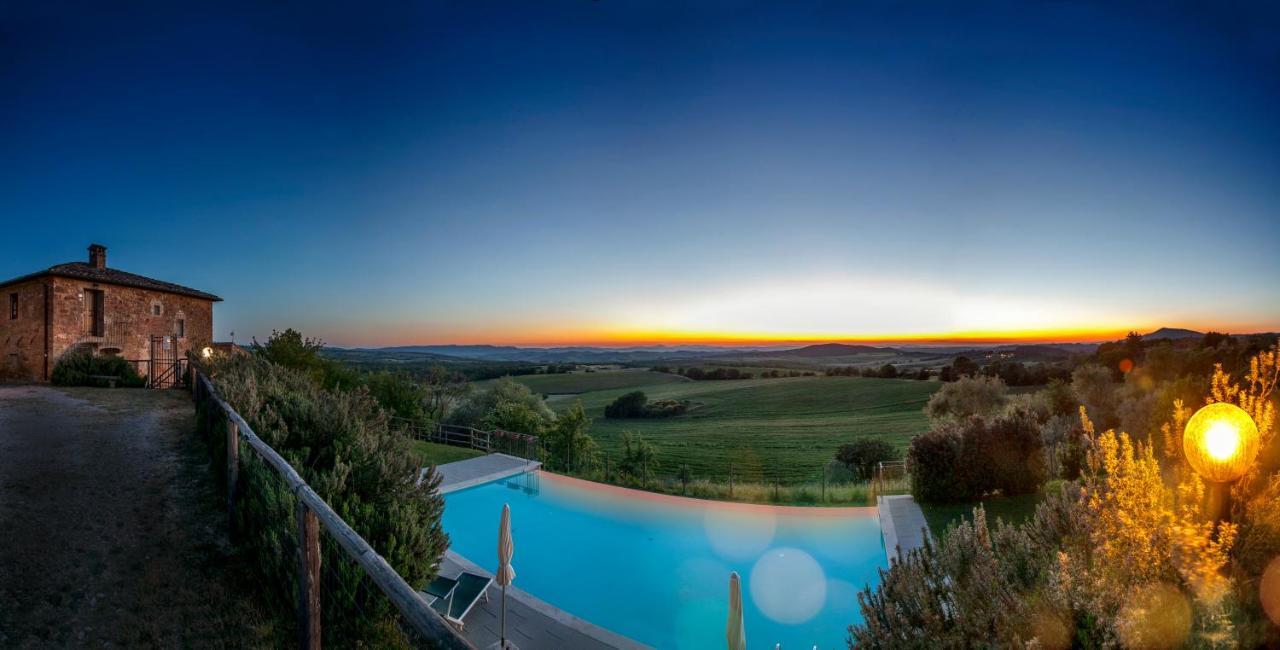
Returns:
<point x="312" y="511"/>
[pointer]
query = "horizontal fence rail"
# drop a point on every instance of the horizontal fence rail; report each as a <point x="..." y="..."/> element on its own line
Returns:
<point x="524" y="445"/>
<point x="313" y="513"/>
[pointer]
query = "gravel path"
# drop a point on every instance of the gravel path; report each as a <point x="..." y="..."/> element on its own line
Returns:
<point x="111" y="532"/>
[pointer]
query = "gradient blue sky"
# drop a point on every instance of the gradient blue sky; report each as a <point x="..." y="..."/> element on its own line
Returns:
<point x="631" y="171"/>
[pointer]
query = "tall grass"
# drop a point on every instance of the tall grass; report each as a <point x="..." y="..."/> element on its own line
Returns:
<point x="815" y="493"/>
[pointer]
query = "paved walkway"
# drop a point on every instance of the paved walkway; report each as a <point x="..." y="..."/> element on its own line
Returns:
<point x="481" y="469"/>
<point x="111" y="531"/>
<point x="901" y="522"/>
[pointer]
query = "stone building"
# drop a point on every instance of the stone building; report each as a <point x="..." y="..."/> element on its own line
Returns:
<point x="104" y="310"/>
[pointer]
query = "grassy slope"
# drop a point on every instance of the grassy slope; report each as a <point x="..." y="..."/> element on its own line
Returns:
<point x="582" y="382"/>
<point x="765" y="426"/>
<point x="1014" y="510"/>
<point x="431" y="453"/>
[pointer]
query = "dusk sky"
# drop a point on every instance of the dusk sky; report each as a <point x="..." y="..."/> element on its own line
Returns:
<point x="633" y="172"/>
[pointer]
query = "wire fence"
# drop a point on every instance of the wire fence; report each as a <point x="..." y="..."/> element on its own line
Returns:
<point x="830" y="484"/>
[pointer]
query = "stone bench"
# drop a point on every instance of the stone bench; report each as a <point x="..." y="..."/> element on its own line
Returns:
<point x="110" y="379"/>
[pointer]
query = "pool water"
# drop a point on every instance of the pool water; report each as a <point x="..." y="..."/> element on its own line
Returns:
<point x="656" y="568"/>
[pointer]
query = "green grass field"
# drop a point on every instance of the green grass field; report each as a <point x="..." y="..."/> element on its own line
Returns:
<point x="584" y="382"/>
<point x="1014" y="510"/>
<point x="431" y="453"/>
<point x="766" y="428"/>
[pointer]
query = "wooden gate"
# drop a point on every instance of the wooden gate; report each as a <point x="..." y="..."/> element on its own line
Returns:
<point x="166" y="367"/>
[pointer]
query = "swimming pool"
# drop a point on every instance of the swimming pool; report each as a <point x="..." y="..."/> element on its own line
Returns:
<point x="656" y="568"/>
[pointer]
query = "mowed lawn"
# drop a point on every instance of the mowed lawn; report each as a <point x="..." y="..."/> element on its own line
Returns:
<point x="584" y="382"/>
<point x="765" y="428"/>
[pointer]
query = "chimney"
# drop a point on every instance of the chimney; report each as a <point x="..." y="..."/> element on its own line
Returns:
<point x="98" y="256"/>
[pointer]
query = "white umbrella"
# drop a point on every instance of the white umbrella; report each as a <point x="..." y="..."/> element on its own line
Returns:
<point x="506" y="573"/>
<point x="734" y="632"/>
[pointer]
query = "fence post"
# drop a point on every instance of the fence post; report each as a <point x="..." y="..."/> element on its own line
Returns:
<point x="308" y="577"/>
<point x="233" y="471"/>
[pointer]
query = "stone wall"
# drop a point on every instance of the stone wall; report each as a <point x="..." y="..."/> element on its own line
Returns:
<point x="130" y="319"/>
<point x="22" y="338"/>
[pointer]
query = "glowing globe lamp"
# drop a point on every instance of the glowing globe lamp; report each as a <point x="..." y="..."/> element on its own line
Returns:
<point x="1221" y="442"/>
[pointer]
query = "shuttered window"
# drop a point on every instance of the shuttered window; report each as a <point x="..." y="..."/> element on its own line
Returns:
<point x="13" y="306"/>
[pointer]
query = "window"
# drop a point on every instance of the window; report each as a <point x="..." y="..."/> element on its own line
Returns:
<point x="182" y="328"/>
<point x="13" y="306"/>
<point x="155" y="309"/>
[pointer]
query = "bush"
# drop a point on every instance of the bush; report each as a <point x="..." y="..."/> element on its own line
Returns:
<point x="630" y="405"/>
<point x="932" y="461"/>
<point x="967" y="397"/>
<point x="862" y="456"/>
<point x="636" y="405"/>
<point x="75" y="369"/>
<point x="962" y="461"/>
<point x="341" y="444"/>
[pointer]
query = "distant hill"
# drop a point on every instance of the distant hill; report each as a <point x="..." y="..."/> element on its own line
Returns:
<point x="1172" y="334"/>
<point x="826" y="350"/>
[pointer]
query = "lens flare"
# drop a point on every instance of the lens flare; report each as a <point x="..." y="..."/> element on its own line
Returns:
<point x="788" y="585"/>
<point x="1269" y="590"/>
<point x="1155" y="616"/>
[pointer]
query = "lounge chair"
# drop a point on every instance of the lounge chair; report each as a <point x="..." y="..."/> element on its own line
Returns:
<point x="453" y="598"/>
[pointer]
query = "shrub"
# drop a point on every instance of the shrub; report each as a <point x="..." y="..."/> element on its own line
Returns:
<point x="341" y="444"/>
<point x="636" y="405"/>
<point x="962" y="461"/>
<point x="75" y="369"/>
<point x="966" y="397"/>
<point x="1013" y="453"/>
<point x="630" y="405"/>
<point x="932" y="459"/>
<point x="862" y="456"/>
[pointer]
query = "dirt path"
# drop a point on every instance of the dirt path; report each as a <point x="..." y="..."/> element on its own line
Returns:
<point x="110" y="530"/>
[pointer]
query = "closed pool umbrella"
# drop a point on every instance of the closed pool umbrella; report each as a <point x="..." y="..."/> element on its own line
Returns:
<point x="734" y="632"/>
<point x="506" y="573"/>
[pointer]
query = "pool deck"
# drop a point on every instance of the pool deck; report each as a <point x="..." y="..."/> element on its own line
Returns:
<point x="532" y="624"/>
<point x="901" y="522"/>
<point x="481" y="469"/>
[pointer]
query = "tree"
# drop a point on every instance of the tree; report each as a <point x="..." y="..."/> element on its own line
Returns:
<point x="639" y="457"/>
<point x="630" y="405"/>
<point x="1095" y="389"/>
<point x="864" y="455"/>
<point x="967" y="397"/>
<point x="888" y="371"/>
<point x="442" y="389"/>
<point x="963" y="366"/>
<point x="506" y="404"/>
<point x="568" y="445"/>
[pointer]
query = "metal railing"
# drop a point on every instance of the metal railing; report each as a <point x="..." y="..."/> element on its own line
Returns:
<point x="313" y="514"/>
<point x="889" y="470"/>
<point x="522" y="445"/>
